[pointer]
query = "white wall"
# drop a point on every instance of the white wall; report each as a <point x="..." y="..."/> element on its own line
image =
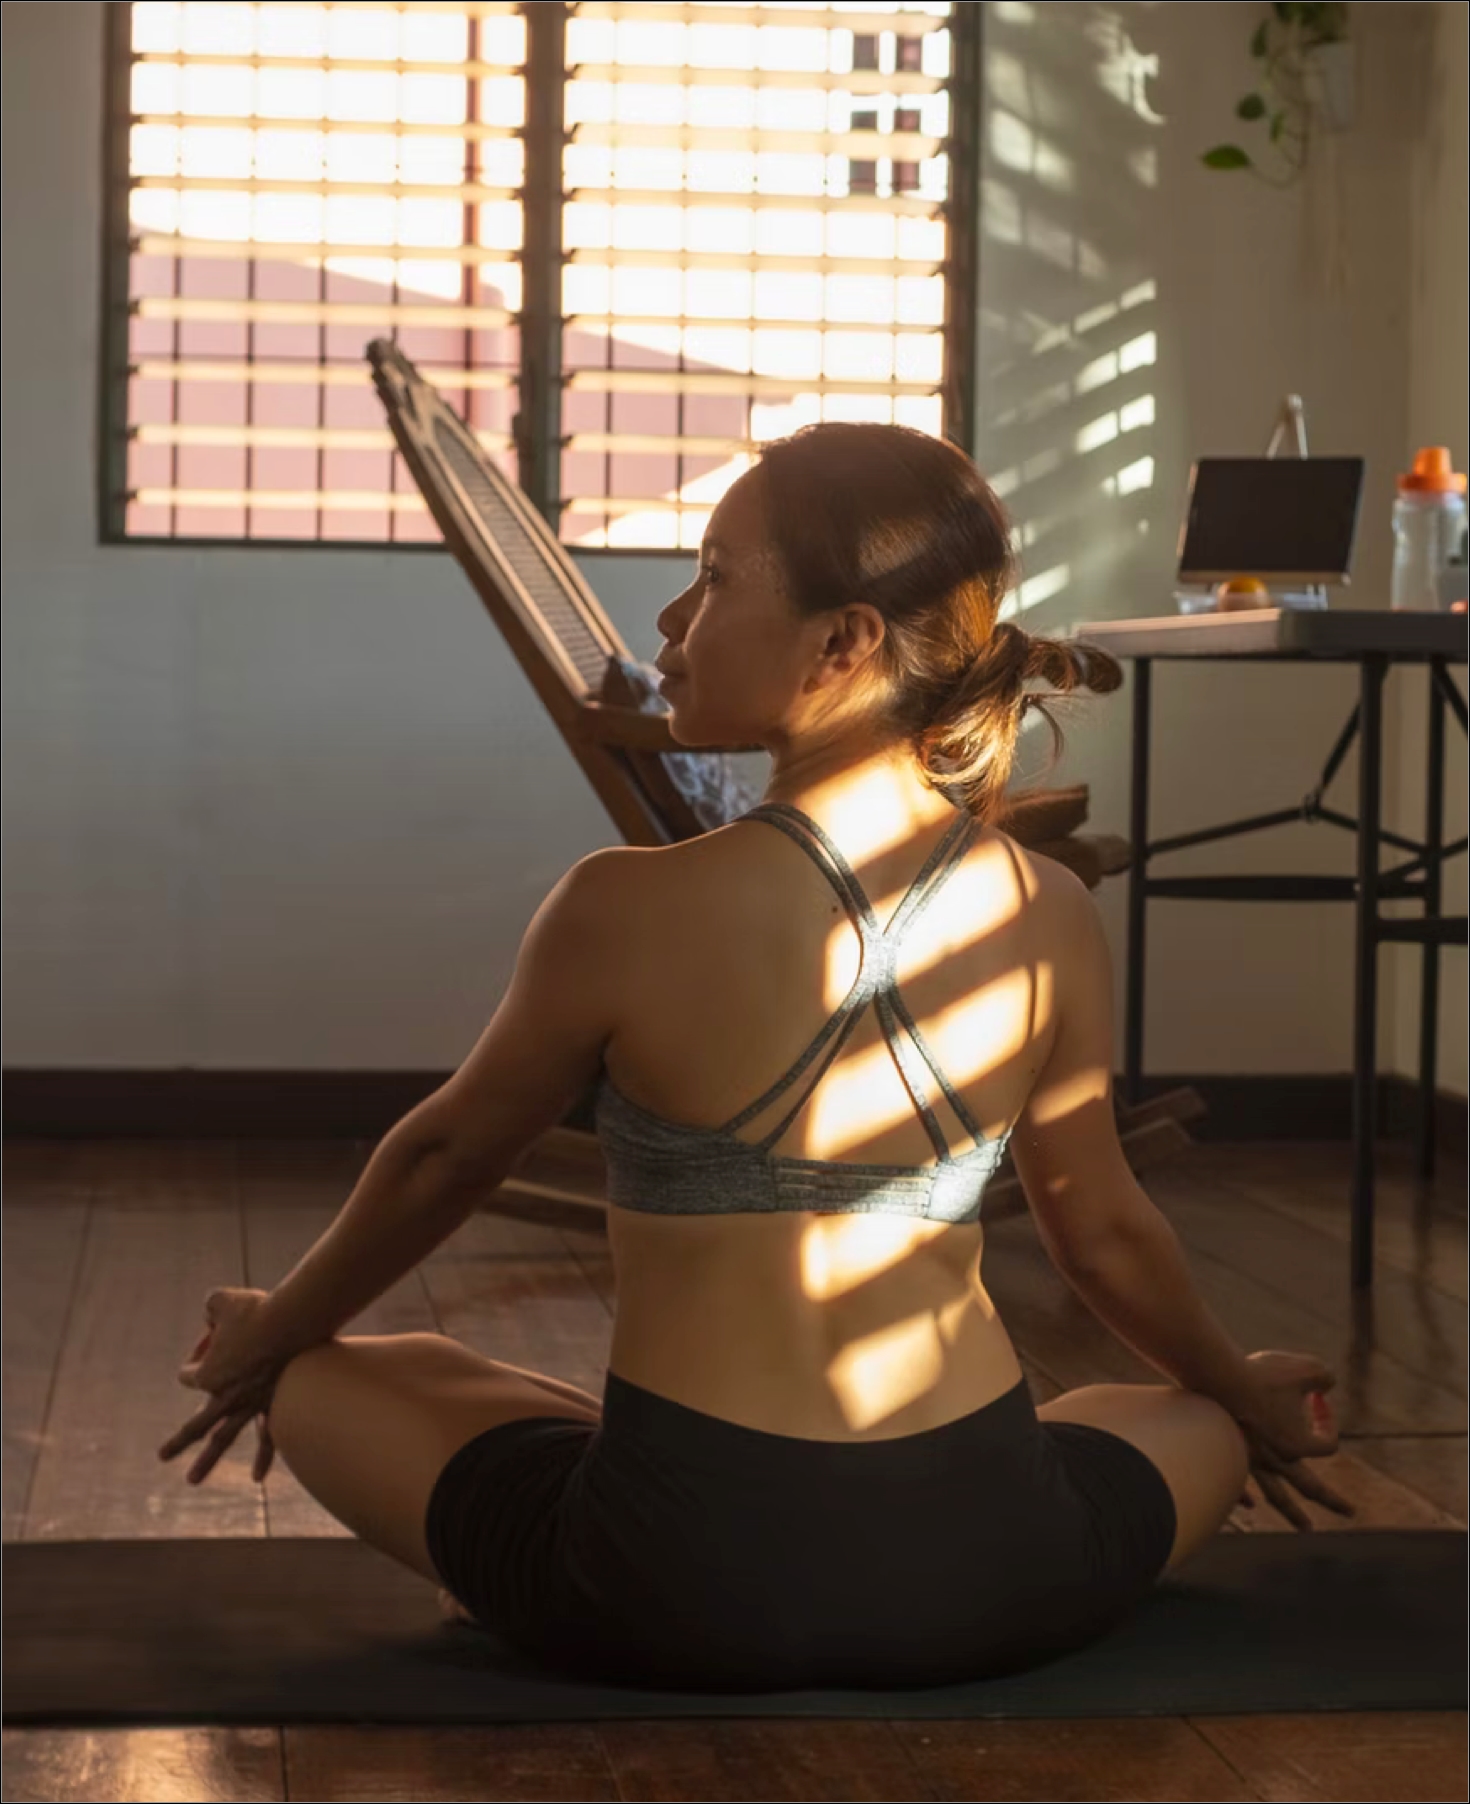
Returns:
<point x="1439" y="396"/>
<point x="292" y="810"/>
<point x="1095" y="196"/>
<point x="263" y="809"/>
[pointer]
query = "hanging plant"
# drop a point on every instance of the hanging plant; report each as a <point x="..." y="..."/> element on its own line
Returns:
<point x="1304" y="65"/>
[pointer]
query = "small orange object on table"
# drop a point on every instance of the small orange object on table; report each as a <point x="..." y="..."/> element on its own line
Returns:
<point x="1241" y="595"/>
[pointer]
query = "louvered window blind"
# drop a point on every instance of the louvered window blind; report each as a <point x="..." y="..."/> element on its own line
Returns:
<point x="629" y="241"/>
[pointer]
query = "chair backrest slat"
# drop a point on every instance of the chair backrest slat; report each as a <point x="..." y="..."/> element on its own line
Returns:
<point x="550" y="618"/>
<point x="576" y="634"/>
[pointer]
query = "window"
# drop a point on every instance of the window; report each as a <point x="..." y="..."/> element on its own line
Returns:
<point x="629" y="241"/>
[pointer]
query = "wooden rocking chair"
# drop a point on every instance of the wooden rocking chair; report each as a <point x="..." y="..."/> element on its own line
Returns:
<point x="656" y="791"/>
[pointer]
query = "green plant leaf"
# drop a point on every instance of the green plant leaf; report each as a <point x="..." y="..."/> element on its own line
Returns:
<point x="1260" y="37"/>
<point x="1278" y="120"/>
<point x="1288" y="13"/>
<point x="1226" y="156"/>
<point x="1252" y="107"/>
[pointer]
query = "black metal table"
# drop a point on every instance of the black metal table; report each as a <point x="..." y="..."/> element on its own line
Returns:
<point x="1374" y="641"/>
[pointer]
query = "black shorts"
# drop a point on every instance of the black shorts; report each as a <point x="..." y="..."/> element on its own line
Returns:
<point x="670" y="1548"/>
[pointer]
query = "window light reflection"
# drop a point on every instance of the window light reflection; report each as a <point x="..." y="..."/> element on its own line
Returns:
<point x="875" y="1375"/>
<point x="379" y="124"/>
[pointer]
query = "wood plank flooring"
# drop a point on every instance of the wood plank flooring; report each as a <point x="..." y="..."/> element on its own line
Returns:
<point x="110" y="1246"/>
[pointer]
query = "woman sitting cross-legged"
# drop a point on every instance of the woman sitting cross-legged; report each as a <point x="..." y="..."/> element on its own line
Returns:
<point x="814" y="1033"/>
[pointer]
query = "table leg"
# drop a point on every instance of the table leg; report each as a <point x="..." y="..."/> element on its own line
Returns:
<point x="1137" y="873"/>
<point x="1429" y="969"/>
<point x="1365" y="1004"/>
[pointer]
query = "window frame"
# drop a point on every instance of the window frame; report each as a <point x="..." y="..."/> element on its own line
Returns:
<point x="537" y="424"/>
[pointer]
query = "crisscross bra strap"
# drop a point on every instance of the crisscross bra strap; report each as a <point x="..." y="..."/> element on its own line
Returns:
<point x="876" y="978"/>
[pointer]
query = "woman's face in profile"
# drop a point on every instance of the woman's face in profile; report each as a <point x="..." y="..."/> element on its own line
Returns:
<point x="734" y="649"/>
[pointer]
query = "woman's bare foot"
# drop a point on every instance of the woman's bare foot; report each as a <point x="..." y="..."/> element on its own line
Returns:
<point x="453" y="1610"/>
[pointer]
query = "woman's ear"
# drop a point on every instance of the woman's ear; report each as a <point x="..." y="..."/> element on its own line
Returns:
<point x="855" y="636"/>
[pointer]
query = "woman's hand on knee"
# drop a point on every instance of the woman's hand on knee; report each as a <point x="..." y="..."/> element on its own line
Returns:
<point x="236" y="1363"/>
<point x="240" y="1343"/>
<point x="1274" y="1481"/>
<point x="1286" y="1420"/>
<point x="222" y="1418"/>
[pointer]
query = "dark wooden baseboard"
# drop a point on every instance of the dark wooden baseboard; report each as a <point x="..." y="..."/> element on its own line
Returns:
<point x="1304" y="1106"/>
<point x="363" y="1105"/>
<point x="211" y="1105"/>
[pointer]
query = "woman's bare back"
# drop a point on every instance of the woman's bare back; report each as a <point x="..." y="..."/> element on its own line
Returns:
<point x="823" y="1326"/>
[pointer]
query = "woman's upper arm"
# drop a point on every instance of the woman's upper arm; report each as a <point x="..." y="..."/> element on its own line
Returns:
<point x="1065" y="1143"/>
<point x="543" y="1046"/>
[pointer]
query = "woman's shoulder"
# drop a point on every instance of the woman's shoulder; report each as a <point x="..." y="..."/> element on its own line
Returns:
<point x="632" y="884"/>
<point x="651" y="919"/>
<point x="630" y="867"/>
<point x="713" y="890"/>
<point x="1041" y="879"/>
<point x="636" y="875"/>
<point x="738" y="874"/>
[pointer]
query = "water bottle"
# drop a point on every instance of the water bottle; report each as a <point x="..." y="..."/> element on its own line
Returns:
<point x="1428" y="527"/>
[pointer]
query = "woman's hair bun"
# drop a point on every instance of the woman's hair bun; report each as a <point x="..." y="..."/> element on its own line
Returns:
<point x="1007" y="654"/>
<point x="970" y="741"/>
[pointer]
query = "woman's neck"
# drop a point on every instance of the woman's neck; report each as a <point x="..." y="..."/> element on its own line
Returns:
<point x="868" y="805"/>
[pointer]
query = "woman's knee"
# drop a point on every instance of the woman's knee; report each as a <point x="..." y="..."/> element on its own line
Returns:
<point x="1240" y="1454"/>
<point x="406" y="1363"/>
<point x="376" y="1354"/>
<point x="1208" y="1461"/>
<point x="1222" y="1437"/>
<point x="301" y="1372"/>
<point x="1154" y="1411"/>
<point x="1194" y="1442"/>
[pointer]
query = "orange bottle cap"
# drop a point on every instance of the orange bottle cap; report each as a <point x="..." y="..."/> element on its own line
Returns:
<point x="1432" y="474"/>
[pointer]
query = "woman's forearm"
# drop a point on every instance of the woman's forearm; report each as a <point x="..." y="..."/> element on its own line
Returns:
<point x="1141" y="1287"/>
<point x="406" y="1203"/>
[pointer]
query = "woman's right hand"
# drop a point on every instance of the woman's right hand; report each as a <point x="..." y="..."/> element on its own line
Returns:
<point x="237" y="1361"/>
<point x="1284" y="1415"/>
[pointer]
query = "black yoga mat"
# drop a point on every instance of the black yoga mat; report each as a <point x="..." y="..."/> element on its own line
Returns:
<point x="329" y="1630"/>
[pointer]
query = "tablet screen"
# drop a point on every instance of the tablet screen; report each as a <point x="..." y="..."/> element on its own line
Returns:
<point x="1271" y="517"/>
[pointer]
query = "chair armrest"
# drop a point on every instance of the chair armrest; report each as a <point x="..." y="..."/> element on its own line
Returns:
<point x="610" y="723"/>
<point x="607" y="723"/>
<point x="1181" y="1105"/>
<point x="1032" y="815"/>
<point x="1090" y="856"/>
<point x="548" y="1205"/>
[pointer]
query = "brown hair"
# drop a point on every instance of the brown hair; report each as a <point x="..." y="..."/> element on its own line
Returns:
<point x="889" y="515"/>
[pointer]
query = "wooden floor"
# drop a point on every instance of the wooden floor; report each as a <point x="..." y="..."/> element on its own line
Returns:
<point x="109" y="1250"/>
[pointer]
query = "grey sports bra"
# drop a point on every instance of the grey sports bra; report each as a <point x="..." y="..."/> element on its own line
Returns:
<point x="664" y="1167"/>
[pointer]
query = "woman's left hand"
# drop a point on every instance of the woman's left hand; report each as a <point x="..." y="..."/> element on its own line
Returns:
<point x="237" y="1362"/>
<point x="1284" y="1434"/>
<point x="1278" y="1478"/>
